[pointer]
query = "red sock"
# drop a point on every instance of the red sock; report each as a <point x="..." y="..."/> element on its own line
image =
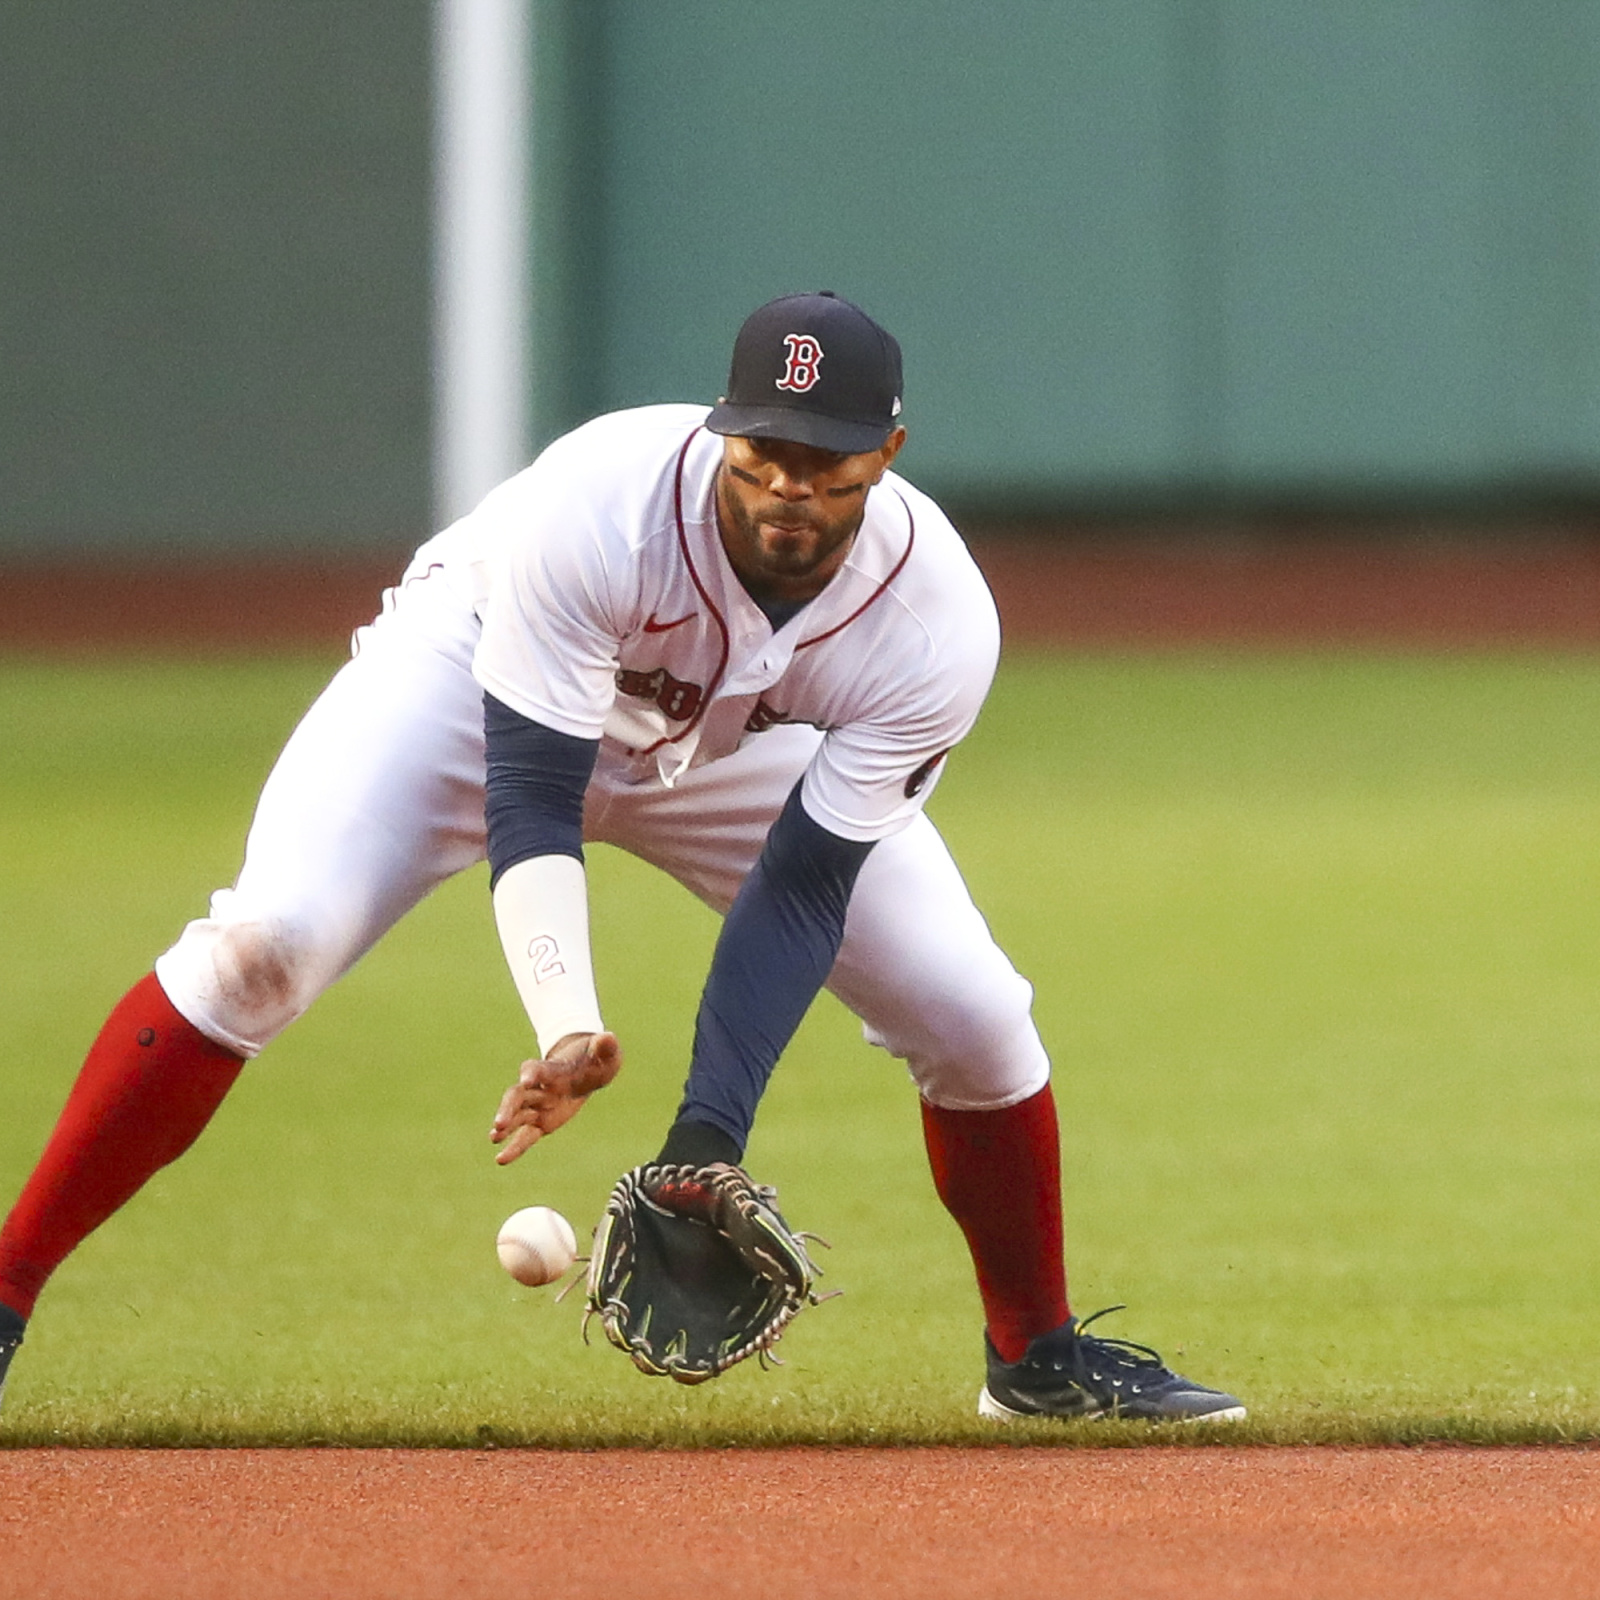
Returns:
<point x="149" y="1085"/>
<point x="999" y="1175"/>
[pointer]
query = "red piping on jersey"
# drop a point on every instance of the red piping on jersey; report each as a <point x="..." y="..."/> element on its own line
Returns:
<point x="716" y="616"/>
<point x="882" y="588"/>
<point x="721" y="622"/>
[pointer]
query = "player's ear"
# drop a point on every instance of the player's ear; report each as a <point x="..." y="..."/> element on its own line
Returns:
<point x="890" y="447"/>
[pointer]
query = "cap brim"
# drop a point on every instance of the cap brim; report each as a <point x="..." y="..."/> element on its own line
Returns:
<point x="800" y="427"/>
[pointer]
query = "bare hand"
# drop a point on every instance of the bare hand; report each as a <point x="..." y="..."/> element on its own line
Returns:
<point x="551" y="1092"/>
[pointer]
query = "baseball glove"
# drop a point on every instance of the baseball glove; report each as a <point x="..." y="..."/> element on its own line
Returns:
<point x="694" y="1269"/>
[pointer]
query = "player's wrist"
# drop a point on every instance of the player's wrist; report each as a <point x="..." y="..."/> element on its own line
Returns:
<point x="571" y="1048"/>
<point x="698" y="1144"/>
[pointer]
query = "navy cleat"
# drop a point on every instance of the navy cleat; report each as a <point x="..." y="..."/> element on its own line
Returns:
<point x="11" y="1330"/>
<point x="1069" y="1373"/>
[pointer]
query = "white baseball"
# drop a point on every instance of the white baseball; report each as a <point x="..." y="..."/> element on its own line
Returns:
<point x="536" y="1245"/>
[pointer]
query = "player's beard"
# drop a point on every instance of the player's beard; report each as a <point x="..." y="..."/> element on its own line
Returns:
<point x="782" y="546"/>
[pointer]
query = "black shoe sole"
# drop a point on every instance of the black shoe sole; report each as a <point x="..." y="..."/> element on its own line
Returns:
<point x="992" y="1410"/>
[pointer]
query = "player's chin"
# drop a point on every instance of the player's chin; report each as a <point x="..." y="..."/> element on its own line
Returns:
<point x="789" y="551"/>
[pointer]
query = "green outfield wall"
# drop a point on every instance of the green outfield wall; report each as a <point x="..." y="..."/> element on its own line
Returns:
<point x="1160" y="253"/>
<point x="214" y="281"/>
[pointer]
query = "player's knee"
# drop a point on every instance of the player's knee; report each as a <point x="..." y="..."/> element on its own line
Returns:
<point x="256" y="967"/>
<point x="241" y="983"/>
<point x="977" y="1051"/>
<point x="984" y="1081"/>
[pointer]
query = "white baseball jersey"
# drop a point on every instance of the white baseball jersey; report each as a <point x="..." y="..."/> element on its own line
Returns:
<point x="612" y="611"/>
<point x="590" y="604"/>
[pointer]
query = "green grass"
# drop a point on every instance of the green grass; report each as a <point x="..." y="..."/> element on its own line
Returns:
<point x="1317" y="949"/>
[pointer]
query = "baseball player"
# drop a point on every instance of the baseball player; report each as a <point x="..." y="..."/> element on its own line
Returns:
<point x="737" y="644"/>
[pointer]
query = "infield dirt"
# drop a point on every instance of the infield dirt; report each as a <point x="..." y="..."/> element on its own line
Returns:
<point x="941" y="1524"/>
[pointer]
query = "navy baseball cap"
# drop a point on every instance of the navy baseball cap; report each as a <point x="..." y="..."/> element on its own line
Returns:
<point x="815" y="369"/>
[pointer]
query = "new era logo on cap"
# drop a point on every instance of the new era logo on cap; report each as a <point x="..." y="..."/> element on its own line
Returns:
<point x="815" y="369"/>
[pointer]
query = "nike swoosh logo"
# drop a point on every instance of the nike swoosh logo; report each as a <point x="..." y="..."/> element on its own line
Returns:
<point x="652" y="626"/>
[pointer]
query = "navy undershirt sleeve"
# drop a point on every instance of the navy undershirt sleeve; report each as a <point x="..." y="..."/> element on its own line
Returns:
<point x="776" y="949"/>
<point x="533" y="797"/>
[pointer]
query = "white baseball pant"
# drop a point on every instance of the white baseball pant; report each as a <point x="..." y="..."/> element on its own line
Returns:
<point x="377" y="798"/>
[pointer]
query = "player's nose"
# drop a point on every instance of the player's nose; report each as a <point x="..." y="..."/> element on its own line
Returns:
<point x="789" y="483"/>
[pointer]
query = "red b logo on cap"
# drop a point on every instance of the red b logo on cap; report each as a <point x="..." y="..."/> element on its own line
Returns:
<point x="805" y="356"/>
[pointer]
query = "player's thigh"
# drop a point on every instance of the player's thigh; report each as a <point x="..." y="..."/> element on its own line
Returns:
<point x="378" y="794"/>
<point x="921" y="969"/>
<point x="376" y="798"/>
